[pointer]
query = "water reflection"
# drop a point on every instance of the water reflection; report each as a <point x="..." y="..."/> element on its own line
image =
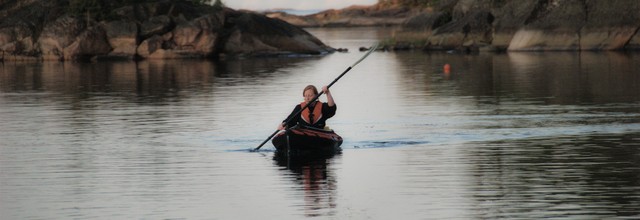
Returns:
<point x="518" y="135"/>
<point x="82" y="80"/>
<point x="551" y="78"/>
<point x="169" y="78"/>
<point x="315" y="179"/>
<point x="72" y="102"/>
<point x="594" y="175"/>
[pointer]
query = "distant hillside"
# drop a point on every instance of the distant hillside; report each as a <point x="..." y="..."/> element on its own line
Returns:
<point x="383" y="13"/>
<point x="350" y="17"/>
<point x="471" y="25"/>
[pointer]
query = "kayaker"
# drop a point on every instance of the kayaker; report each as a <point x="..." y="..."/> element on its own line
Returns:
<point x="316" y="114"/>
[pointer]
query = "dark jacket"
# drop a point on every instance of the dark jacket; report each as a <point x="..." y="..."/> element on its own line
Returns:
<point x="327" y="112"/>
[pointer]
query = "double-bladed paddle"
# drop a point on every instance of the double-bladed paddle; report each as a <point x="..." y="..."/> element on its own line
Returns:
<point x="373" y="48"/>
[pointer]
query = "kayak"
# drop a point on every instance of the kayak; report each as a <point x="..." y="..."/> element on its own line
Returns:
<point x="307" y="141"/>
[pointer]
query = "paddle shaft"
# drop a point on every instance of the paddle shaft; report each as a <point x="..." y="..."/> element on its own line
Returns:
<point x="317" y="96"/>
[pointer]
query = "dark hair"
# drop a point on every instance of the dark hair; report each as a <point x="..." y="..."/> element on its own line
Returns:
<point x="310" y="87"/>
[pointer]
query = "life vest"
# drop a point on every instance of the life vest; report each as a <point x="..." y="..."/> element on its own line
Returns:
<point x="311" y="117"/>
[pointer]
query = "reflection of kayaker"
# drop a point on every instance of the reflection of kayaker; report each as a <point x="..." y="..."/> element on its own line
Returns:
<point x="317" y="181"/>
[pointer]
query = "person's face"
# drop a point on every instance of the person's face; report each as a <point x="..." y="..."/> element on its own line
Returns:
<point x="309" y="95"/>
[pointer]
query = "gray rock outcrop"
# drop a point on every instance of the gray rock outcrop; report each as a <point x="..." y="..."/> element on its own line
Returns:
<point x="44" y="29"/>
<point x="540" y="25"/>
<point x="514" y="25"/>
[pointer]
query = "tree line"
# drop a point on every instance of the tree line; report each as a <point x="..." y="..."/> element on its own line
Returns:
<point x="100" y="9"/>
<point x="409" y="3"/>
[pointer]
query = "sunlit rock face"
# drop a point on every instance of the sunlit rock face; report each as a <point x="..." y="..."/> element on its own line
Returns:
<point x="123" y="38"/>
<point x="536" y="25"/>
<point x="610" y="25"/>
<point x="159" y="30"/>
<point x="578" y="25"/>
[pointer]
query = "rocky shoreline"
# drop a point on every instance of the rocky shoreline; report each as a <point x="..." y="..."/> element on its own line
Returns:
<point x="45" y="30"/>
<point x="494" y="25"/>
<point x="179" y="29"/>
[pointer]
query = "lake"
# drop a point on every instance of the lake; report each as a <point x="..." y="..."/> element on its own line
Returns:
<point x="499" y="136"/>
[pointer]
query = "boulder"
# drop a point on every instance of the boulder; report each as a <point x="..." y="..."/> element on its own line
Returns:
<point x="198" y="36"/>
<point x="427" y="21"/>
<point x="150" y="46"/>
<point x="17" y="39"/>
<point x="240" y="44"/>
<point x="610" y="24"/>
<point x="634" y="43"/>
<point x="90" y="43"/>
<point x="556" y="27"/>
<point x="256" y="34"/>
<point x="156" y="25"/>
<point x="19" y="28"/>
<point x="58" y="35"/>
<point x="189" y="39"/>
<point x="123" y="38"/>
<point x="510" y="18"/>
<point x="606" y="38"/>
<point x="473" y="30"/>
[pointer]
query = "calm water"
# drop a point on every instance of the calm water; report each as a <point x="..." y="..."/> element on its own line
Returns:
<point x="502" y="136"/>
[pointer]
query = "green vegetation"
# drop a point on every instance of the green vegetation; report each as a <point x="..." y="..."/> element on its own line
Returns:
<point x="409" y="3"/>
<point x="100" y="9"/>
<point x="218" y="4"/>
<point x="90" y="8"/>
<point x="409" y="38"/>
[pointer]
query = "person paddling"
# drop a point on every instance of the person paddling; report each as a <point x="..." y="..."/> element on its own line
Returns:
<point x="331" y="104"/>
<point x="316" y="114"/>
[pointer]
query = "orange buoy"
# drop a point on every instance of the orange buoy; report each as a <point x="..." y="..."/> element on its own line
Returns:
<point x="447" y="68"/>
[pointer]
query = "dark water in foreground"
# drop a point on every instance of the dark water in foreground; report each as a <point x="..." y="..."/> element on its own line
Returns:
<point x="502" y="136"/>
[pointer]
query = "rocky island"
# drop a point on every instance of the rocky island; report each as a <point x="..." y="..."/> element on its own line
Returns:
<point x="496" y="25"/>
<point x="132" y="30"/>
<point x="174" y="29"/>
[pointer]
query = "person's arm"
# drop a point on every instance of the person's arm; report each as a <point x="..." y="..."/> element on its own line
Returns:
<point x="330" y="100"/>
<point x="330" y="111"/>
<point x="293" y="119"/>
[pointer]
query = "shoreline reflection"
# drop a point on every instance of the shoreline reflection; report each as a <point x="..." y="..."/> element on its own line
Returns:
<point x="595" y="175"/>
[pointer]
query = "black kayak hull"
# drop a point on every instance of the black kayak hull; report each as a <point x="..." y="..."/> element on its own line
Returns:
<point x="305" y="141"/>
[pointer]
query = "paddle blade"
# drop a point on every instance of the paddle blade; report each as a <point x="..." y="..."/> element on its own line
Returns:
<point x="265" y="141"/>
<point x="371" y="49"/>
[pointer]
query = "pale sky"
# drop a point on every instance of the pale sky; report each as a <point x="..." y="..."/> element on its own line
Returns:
<point x="258" y="5"/>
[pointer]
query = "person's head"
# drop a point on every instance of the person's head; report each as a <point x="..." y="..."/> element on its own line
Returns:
<point x="309" y="93"/>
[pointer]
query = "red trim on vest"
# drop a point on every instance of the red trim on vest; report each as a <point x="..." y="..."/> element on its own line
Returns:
<point x="317" y="112"/>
